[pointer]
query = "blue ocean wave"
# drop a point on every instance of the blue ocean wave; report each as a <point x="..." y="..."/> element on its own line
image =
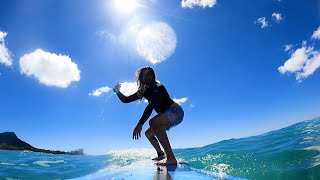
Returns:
<point x="289" y="153"/>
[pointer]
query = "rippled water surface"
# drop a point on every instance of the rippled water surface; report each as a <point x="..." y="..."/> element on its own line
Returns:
<point x="288" y="153"/>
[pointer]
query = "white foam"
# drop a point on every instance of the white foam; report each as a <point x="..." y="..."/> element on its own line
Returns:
<point x="211" y="157"/>
<point x="133" y="152"/>
<point x="8" y="178"/>
<point x="120" y="158"/>
<point x="221" y="168"/>
<point x="313" y="148"/>
<point x="23" y="164"/>
<point x="6" y="163"/>
<point x="46" y="163"/>
<point x="308" y="138"/>
<point x="316" y="161"/>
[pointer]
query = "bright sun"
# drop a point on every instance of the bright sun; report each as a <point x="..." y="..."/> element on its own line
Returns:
<point x="125" y="6"/>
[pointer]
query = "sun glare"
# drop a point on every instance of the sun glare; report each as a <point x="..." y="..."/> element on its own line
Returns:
<point x="156" y="42"/>
<point x="125" y="6"/>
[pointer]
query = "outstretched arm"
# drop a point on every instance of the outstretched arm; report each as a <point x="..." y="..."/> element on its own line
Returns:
<point x="127" y="99"/>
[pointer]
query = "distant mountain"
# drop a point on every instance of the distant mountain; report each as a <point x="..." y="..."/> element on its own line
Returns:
<point x="10" y="141"/>
<point x="10" y="138"/>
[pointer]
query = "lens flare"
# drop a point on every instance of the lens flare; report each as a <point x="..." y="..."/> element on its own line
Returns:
<point x="156" y="42"/>
<point x="125" y="6"/>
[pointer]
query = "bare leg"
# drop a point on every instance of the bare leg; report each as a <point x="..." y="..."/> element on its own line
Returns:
<point x="157" y="124"/>
<point x="153" y="140"/>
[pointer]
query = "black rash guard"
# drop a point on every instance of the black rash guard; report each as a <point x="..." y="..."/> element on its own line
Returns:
<point x="158" y="99"/>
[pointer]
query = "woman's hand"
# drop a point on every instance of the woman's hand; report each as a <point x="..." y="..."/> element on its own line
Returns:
<point x="117" y="87"/>
<point x="137" y="131"/>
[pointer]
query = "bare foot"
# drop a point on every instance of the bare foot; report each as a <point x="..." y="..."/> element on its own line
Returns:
<point x="160" y="156"/>
<point x="166" y="161"/>
<point x="163" y="161"/>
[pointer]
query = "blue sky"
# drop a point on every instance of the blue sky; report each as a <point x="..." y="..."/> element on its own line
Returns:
<point x="238" y="68"/>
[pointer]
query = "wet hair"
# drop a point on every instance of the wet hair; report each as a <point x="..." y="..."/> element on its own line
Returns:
<point x="142" y="87"/>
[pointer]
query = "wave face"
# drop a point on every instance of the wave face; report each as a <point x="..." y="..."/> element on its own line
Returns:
<point x="289" y="153"/>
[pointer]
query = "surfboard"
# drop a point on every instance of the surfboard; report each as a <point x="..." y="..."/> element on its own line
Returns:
<point x="148" y="171"/>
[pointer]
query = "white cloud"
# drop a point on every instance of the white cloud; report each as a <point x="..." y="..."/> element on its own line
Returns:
<point x="192" y="105"/>
<point x="316" y="34"/>
<point x="311" y="66"/>
<point x="277" y="16"/>
<point x="262" y="21"/>
<point x="156" y="42"/>
<point x="303" y="62"/>
<point x="296" y="62"/>
<point x="180" y="101"/>
<point x="49" y="68"/>
<point x="288" y="47"/>
<point x="128" y="88"/>
<point x="100" y="91"/>
<point x="201" y="3"/>
<point x="304" y="43"/>
<point x="3" y="35"/>
<point x="5" y="54"/>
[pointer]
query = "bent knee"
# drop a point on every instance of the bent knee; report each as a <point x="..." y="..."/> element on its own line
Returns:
<point x="153" y="123"/>
<point x="149" y="133"/>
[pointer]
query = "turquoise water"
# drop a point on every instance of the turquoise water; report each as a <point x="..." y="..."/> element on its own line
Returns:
<point x="288" y="153"/>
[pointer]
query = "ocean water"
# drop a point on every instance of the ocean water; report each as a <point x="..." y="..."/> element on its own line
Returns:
<point x="289" y="153"/>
